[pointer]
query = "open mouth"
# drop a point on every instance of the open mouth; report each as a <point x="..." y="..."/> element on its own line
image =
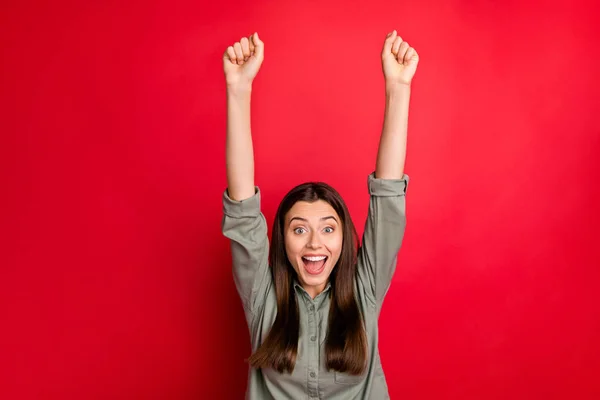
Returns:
<point x="314" y="265"/>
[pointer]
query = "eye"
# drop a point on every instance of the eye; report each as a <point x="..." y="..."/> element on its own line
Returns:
<point x="299" y="231"/>
<point x="329" y="229"/>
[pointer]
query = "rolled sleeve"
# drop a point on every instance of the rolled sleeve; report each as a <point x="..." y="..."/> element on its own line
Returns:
<point x="249" y="207"/>
<point x="387" y="187"/>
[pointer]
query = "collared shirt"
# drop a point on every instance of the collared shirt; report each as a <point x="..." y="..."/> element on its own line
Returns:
<point x="245" y="225"/>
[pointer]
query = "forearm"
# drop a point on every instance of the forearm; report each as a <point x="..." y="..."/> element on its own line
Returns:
<point x="391" y="155"/>
<point x="239" y="151"/>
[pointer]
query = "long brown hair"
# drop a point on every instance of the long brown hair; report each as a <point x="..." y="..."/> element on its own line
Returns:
<point x="346" y="342"/>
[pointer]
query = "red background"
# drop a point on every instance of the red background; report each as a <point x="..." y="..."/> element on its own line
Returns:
<point x="115" y="278"/>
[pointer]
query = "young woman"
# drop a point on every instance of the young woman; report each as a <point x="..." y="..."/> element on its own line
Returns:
<point x="312" y="297"/>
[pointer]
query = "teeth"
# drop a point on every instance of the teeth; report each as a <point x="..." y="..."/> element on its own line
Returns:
<point x="319" y="258"/>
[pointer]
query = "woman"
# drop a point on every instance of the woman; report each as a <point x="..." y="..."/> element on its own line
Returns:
<point x="313" y="312"/>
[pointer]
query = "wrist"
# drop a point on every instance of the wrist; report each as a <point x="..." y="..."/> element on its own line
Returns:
<point x="396" y="87"/>
<point x="239" y="88"/>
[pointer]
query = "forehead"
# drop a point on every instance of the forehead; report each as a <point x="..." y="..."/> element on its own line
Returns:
<point x="310" y="211"/>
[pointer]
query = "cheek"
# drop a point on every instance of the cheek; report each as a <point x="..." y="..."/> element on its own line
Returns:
<point x="335" y="245"/>
<point x="292" y="246"/>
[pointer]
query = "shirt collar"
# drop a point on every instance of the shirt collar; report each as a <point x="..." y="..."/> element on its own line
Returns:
<point x="298" y="287"/>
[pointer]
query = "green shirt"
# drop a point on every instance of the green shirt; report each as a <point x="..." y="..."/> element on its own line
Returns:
<point x="245" y="226"/>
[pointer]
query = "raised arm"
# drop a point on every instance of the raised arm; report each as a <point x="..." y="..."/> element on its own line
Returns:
<point x="386" y="220"/>
<point x="243" y="222"/>
<point x="241" y="63"/>
<point x="399" y="62"/>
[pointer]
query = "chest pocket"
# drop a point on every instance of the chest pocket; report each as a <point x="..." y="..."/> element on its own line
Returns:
<point x="344" y="378"/>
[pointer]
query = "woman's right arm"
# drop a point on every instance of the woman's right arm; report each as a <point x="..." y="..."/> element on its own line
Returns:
<point x="241" y="63"/>
<point x="243" y="222"/>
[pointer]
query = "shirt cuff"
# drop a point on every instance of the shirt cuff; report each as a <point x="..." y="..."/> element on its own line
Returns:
<point x="387" y="187"/>
<point x="249" y="207"/>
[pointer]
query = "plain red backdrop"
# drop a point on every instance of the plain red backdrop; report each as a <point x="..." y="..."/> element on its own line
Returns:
<point x="116" y="281"/>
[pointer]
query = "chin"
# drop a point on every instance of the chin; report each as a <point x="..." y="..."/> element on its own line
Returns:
<point x="315" y="281"/>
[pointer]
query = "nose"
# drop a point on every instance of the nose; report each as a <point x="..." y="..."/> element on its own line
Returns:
<point x="314" y="241"/>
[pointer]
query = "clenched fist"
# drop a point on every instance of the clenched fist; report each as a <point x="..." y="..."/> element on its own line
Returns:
<point x="399" y="60"/>
<point x="242" y="61"/>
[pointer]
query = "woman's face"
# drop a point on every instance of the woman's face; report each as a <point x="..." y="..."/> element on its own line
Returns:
<point x="313" y="243"/>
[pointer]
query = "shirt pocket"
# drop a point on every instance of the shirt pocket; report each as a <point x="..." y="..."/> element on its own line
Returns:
<point x="344" y="378"/>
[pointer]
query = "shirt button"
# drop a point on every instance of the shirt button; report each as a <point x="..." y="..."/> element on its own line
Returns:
<point x="312" y="374"/>
<point x="312" y="308"/>
<point x="313" y="338"/>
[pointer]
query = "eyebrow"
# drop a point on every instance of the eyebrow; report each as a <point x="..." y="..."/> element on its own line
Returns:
<point x="322" y="219"/>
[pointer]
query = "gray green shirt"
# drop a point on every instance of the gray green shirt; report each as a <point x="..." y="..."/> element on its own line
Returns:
<point x="245" y="226"/>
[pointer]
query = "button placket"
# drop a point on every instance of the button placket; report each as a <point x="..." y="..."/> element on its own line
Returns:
<point x="313" y="349"/>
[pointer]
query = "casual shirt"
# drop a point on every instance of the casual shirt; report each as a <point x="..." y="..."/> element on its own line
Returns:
<point x="245" y="225"/>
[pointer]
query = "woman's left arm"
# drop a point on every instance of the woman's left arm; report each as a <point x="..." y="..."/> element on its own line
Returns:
<point x="386" y="219"/>
<point x="399" y="62"/>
